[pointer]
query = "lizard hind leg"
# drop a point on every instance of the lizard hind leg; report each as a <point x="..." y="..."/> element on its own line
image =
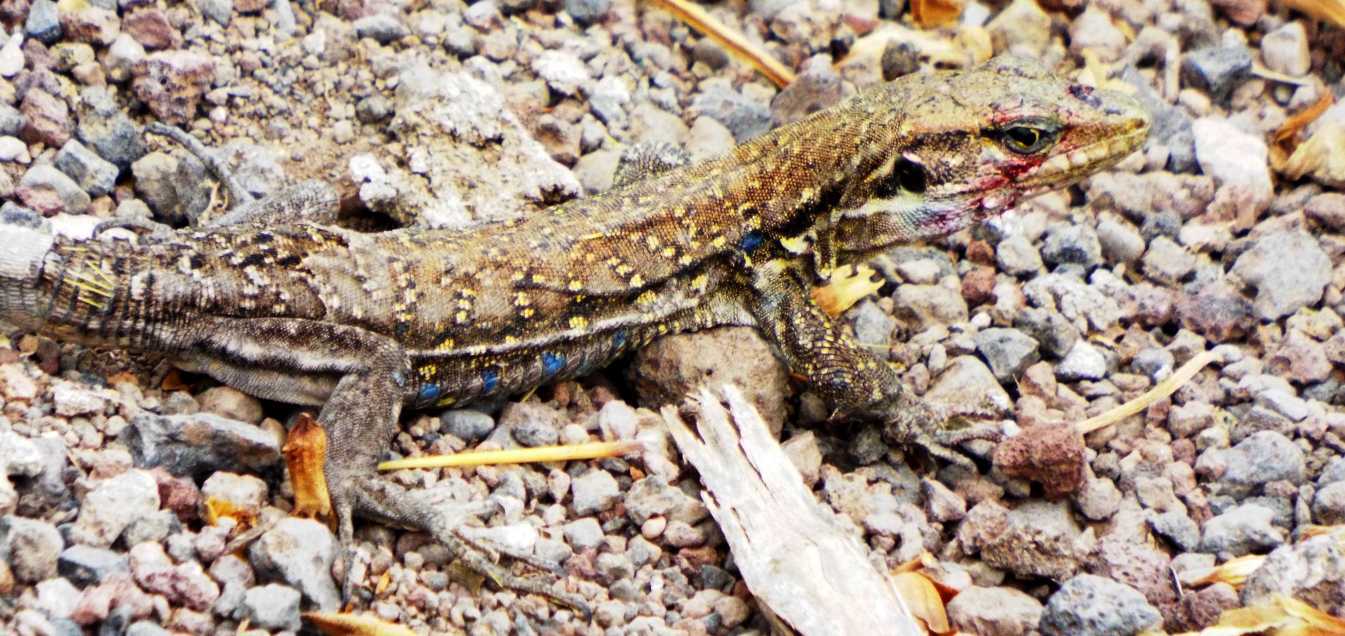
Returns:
<point x="360" y="418"/>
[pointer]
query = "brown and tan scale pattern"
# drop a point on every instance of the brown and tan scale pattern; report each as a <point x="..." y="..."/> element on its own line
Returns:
<point x="363" y="324"/>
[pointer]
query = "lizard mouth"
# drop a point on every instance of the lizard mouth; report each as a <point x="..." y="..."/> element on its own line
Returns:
<point x="1084" y="160"/>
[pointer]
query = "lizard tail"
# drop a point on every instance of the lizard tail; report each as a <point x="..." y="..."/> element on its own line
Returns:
<point x="23" y="250"/>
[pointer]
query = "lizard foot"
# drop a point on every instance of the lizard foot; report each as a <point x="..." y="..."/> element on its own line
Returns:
<point x="382" y="500"/>
<point x="940" y="428"/>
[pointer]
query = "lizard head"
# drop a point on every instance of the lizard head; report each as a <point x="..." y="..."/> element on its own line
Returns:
<point x="947" y="150"/>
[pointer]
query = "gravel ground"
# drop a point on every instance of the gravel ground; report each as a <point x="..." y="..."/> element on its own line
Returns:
<point x="442" y="113"/>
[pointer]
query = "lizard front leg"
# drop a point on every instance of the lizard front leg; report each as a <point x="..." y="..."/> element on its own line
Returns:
<point x="360" y="417"/>
<point x="852" y="381"/>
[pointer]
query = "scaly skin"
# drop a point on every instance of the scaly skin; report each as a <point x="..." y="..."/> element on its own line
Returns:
<point x="363" y="325"/>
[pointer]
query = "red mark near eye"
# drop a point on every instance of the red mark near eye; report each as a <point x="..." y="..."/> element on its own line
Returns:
<point x="1014" y="168"/>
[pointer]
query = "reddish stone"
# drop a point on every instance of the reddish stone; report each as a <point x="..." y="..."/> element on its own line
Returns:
<point x="1300" y="359"/>
<point x="91" y="25"/>
<point x="42" y="200"/>
<point x="978" y="286"/>
<point x="251" y="6"/>
<point x="1052" y="456"/>
<point x="178" y="494"/>
<point x="171" y="83"/>
<point x="47" y="119"/>
<point x="1217" y="312"/>
<point x="980" y="252"/>
<point x="1242" y="12"/>
<point x="150" y="27"/>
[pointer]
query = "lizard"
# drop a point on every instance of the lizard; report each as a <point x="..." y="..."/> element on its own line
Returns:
<point x="282" y="304"/>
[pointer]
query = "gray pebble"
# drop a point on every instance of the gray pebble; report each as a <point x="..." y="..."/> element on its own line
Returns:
<point x="1167" y="262"/>
<point x="745" y="117"/>
<point x="594" y="491"/>
<point x="1055" y="334"/>
<point x="1243" y="530"/>
<point x="93" y="173"/>
<point x="274" y="607"/>
<point x="11" y="120"/>
<point x="199" y="444"/>
<point x="146" y="628"/>
<point x="112" y="135"/>
<point x="152" y="527"/>
<point x="1216" y="70"/>
<point x="586" y="12"/>
<point x="85" y="565"/>
<point x="1328" y="504"/>
<point x="467" y="425"/>
<point x="1178" y="528"/>
<point x="382" y="27"/>
<point x="1259" y="459"/>
<point x="1008" y="352"/>
<point x="1121" y="241"/>
<point x="113" y="505"/>
<point x="1083" y="362"/>
<point x="1017" y="255"/>
<point x="1089" y="605"/>
<point x="1285" y="50"/>
<point x="1076" y="244"/>
<point x="43" y="22"/>
<point x="299" y="552"/>
<point x="613" y="566"/>
<point x="30" y="546"/>
<point x="221" y="11"/>
<point x="583" y="533"/>
<point x="1284" y="285"/>
<point x="1155" y="363"/>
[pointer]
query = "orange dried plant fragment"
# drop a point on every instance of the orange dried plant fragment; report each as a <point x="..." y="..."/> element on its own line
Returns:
<point x="305" y="453"/>
<point x="846" y="287"/>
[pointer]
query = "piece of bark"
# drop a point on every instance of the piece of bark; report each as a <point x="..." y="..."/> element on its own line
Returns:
<point x="796" y="556"/>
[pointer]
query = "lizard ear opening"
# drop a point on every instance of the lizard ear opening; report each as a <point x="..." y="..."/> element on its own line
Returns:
<point x="907" y="176"/>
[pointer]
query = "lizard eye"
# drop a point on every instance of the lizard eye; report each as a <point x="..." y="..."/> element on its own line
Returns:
<point x="1026" y="140"/>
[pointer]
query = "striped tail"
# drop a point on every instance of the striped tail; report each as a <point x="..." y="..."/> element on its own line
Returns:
<point x="23" y="250"/>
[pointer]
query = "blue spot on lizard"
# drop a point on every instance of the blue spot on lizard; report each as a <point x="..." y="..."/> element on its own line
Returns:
<point x="490" y="378"/>
<point x="428" y="392"/>
<point x="553" y="362"/>
<point x="751" y="241"/>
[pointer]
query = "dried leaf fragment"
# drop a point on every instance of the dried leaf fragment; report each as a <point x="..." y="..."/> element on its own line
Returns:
<point x="847" y="285"/>
<point x="1313" y="530"/>
<point x="1330" y="10"/>
<point x="305" y="453"/>
<point x="1161" y="390"/>
<point x="1285" y="140"/>
<point x="539" y="454"/>
<point x="1233" y="572"/>
<point x="217" y="509"/>
<point x="1278" y="615"/>
<point x="1322" y="157"/>
<point x="930" y="14"/>
<point x="699" y="19"/>
<point x="337" y="624"/>
<point x="924" y="600"/>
